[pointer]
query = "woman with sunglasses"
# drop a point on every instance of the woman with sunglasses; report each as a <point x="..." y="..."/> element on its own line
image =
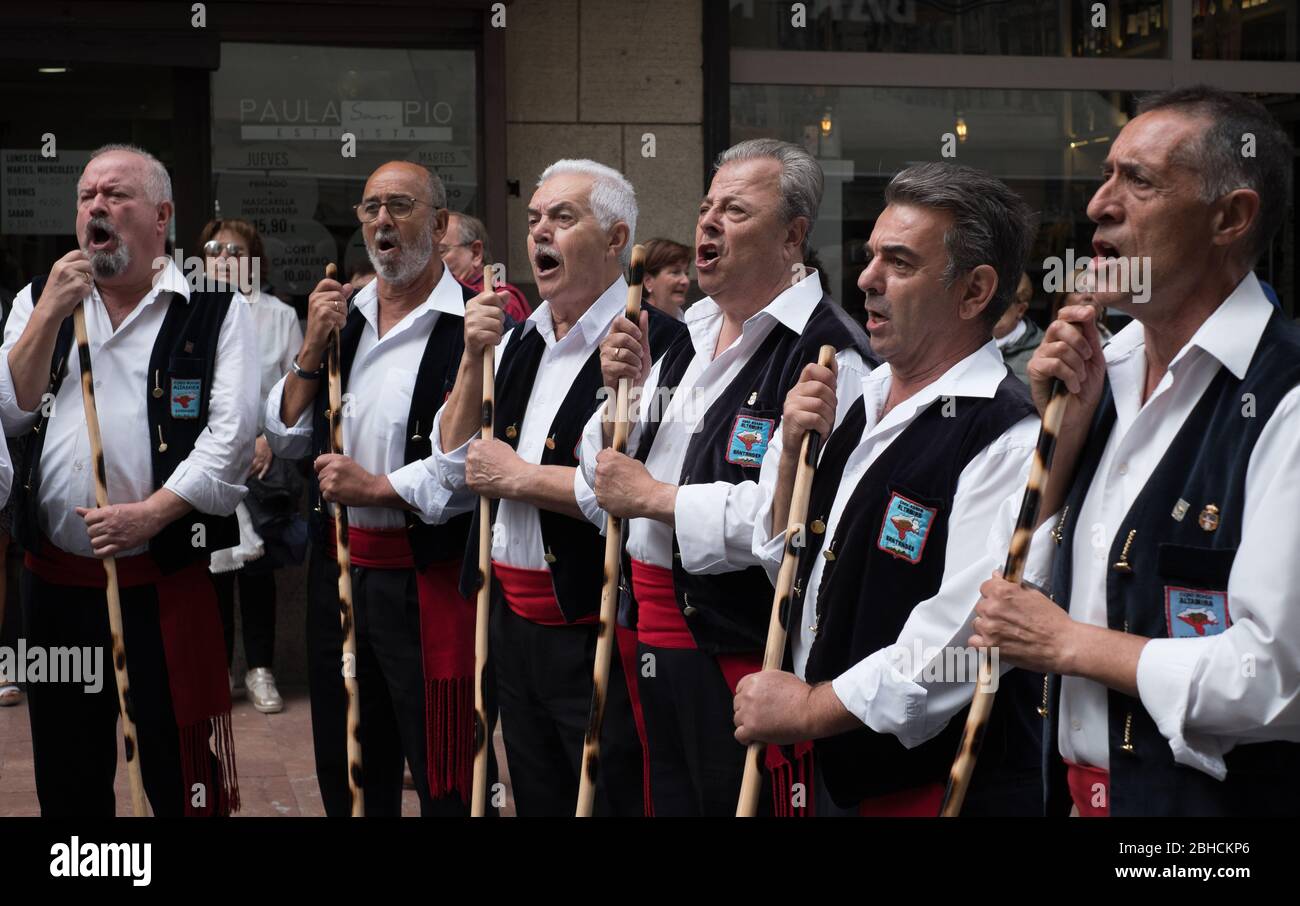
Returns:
<point x="233" y="253"/>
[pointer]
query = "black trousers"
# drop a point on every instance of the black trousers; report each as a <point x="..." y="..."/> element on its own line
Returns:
<point x="74" y="732"/>
<point x="544" y="676"/>
<point x="696" y="764"/>
<point x="256" y="612"/>
<point x="390" y="681"/>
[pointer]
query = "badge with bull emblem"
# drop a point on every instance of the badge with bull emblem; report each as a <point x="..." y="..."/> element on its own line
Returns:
<point x="748" y="440"/>
<point x="905" y="528"/>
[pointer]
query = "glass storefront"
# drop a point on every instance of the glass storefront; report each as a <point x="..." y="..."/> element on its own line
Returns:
<point x="280" y="157"/>
<point x="1267" y="30"/>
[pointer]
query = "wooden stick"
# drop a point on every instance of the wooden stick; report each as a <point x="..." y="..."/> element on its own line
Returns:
<point x="343" y="554"/>
<point x="981" y="706"/>
<point x="478" y="798"/>
<point x="129" y="737"/>
<point x="774" y="653"/>
<point x="613" y="563"/>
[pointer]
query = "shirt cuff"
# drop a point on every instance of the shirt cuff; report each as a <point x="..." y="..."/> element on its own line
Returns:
<point x="700" y="518"/>
<point x="207" y="494"/>
<point x="285" y="441"/>
<point x="449" y="466"/>
<point x="1165" y="674"/>
<point x="878" y="694"/>
<point x="586" y="498"/>
<point x="418" y="485"/>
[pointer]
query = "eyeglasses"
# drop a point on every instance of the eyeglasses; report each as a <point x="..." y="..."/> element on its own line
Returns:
<point x="213" y="249"/>
<point x="444" y="249"/>
<point x="399" y="208"/>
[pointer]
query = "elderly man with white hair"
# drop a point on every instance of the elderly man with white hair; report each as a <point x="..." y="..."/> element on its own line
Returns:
<point x="690" y="482"/>
<point x="176" y="385"/>
<point x="546" y="557"/>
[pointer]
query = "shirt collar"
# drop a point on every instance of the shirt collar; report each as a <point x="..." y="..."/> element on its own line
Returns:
<point x="1231" y="333"/>
<point x="595" y="321"/>
<point x="792" y="307"/>
<point x="446" y="296"/>
<point x="978" y="375"/>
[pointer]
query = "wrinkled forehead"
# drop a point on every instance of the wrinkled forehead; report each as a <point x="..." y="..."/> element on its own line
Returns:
<point x="116" y="168"/>
<point x="398" y="179"/>
<point x="755" y="177"/>
<point x="1158" y="140"/>
<point x="573" y="189"/>
<point x="910" y="227"/>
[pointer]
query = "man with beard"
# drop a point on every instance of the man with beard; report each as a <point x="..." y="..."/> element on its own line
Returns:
<point x="689" y="480"/>
<point x="1172" y="630"/>
<point x="905" y="488"/>
<point x="546" y="558"/>
<point x="400" y="347"/>
<point x="176" y="388"/>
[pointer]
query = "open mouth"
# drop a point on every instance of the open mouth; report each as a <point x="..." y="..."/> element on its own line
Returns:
<point x="545" y="263"/>
<point x="1103" y="249"/>
<point x="101" y="237"/>
<point x="705" y="254"/>
<point x="385" y="244"/>
<point x="876" y="316"/>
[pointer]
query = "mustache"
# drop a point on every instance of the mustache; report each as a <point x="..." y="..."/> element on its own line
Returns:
<point x="101" y="223"/>
<point x="550" y="250"/>
<point x="388" y="234"/>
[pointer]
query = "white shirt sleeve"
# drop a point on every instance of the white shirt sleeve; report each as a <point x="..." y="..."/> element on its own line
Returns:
<point x="211" y="478"/>
<point x="448" y="466"/>
<point x="417" y="483"/>
<point x="894" y="691"/>
<point x="286" y="441"/>
<point x="1207" y="694"/>
<point x="15" y="419"/>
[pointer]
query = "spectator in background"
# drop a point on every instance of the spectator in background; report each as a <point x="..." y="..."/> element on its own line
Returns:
<point x="1016" y="335"/>
<point x="667" y="276"/>
<point x="362" y="273"/>
<point x="232" y="249"/>
<point x="465" y="251"/>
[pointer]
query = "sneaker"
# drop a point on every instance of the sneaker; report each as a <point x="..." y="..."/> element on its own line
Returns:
<point x="260" y="683"/>
<point x="10" y="695"/>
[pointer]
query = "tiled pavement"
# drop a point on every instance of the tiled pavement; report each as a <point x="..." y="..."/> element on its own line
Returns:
<point x="277" y="772"/>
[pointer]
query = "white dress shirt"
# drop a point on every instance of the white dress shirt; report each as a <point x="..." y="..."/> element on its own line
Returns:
<point x="376" y="407"/>
<point x="1198" y="691"/>
<point x="890" y="690"/>
<point x="517" y="533"/>
<point x="715" y="521"/>
<point x="279" y="337"/>
<point x="209" y="479"/>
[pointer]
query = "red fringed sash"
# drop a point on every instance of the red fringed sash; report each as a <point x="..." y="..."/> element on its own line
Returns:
<point x="447" y="647"/>
<point x="195" y="654"/>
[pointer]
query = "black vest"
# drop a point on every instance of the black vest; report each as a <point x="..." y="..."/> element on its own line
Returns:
<point x="1177" y="568"/>
<point x="574" y="548"/>
<point x="181" y="366"/>
<point x="888" y="555"/>
<point x="729" y="612"/>
<point x="433" y="382"/>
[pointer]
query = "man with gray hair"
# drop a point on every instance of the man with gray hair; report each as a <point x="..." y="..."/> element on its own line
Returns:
<point x="922" y="456"/>
<point x="400" y="344"/>
<point x="466" y="250"/>
<point x="175" y="373"/>
<point x="547" y="560"/>
<point x="700" y="600"/>
<point x="1172" y="631"/>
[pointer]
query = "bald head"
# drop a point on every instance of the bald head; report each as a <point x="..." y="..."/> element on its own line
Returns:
<point x="419" y="182"/>
<point x="401" y="248"/>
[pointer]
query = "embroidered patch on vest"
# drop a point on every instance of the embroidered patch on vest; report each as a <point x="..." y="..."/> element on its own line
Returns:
<point x="749" y="439"/>
<point x="186" y="393"/>
<point x="905" y="528"/>
<point x="1195" y="613"/>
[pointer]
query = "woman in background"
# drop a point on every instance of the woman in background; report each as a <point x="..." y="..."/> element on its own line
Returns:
<point x="667" y="276"/>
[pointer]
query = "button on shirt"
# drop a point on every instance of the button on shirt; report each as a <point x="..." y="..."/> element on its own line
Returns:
<point x="1196" y="689"/>
<point x="517" y="535"/>
<point x="891" y="690"/>
<point x="715" y="521"/>
<point x="376" y="407"/>
<point x="209" y="479"/>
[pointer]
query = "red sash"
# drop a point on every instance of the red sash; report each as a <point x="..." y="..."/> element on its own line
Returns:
<point x="530" y="594"/>
<point x="193" y="649"/>
<point x="1081" y="780"/>
<point x="447" y="648"/>
<point x="917" y="802"/>
<point x="660" y="624"/>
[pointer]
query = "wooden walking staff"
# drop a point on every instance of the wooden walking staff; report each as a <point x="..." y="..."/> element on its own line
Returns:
<point x="981" y="706"/>
<point x="613" y="561"/>
<point x="774" y="653"/>
<point x="478" y="797"/>
<point x="344" y="557"/>
<point x="129" y="737"/>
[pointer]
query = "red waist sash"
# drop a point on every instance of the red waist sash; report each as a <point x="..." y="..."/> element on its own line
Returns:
<point x="193" y="649"/>
<point x="530" y="594"/>
<point x="447" y="649"/>
<point x="1082" y="780"/>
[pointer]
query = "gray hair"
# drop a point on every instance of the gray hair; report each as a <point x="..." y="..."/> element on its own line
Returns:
<point x="437" y="192"/>
<point x="1216" y="153"/>
<point x="801" y="177"/>
<point x="470" y="230"/>
<point x="990" y="223"/>
<point x="158" y="185"/>
<point x="613" y="200"/>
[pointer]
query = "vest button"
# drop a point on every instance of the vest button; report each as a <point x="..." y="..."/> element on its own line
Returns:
<point x="688" y="611"/>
